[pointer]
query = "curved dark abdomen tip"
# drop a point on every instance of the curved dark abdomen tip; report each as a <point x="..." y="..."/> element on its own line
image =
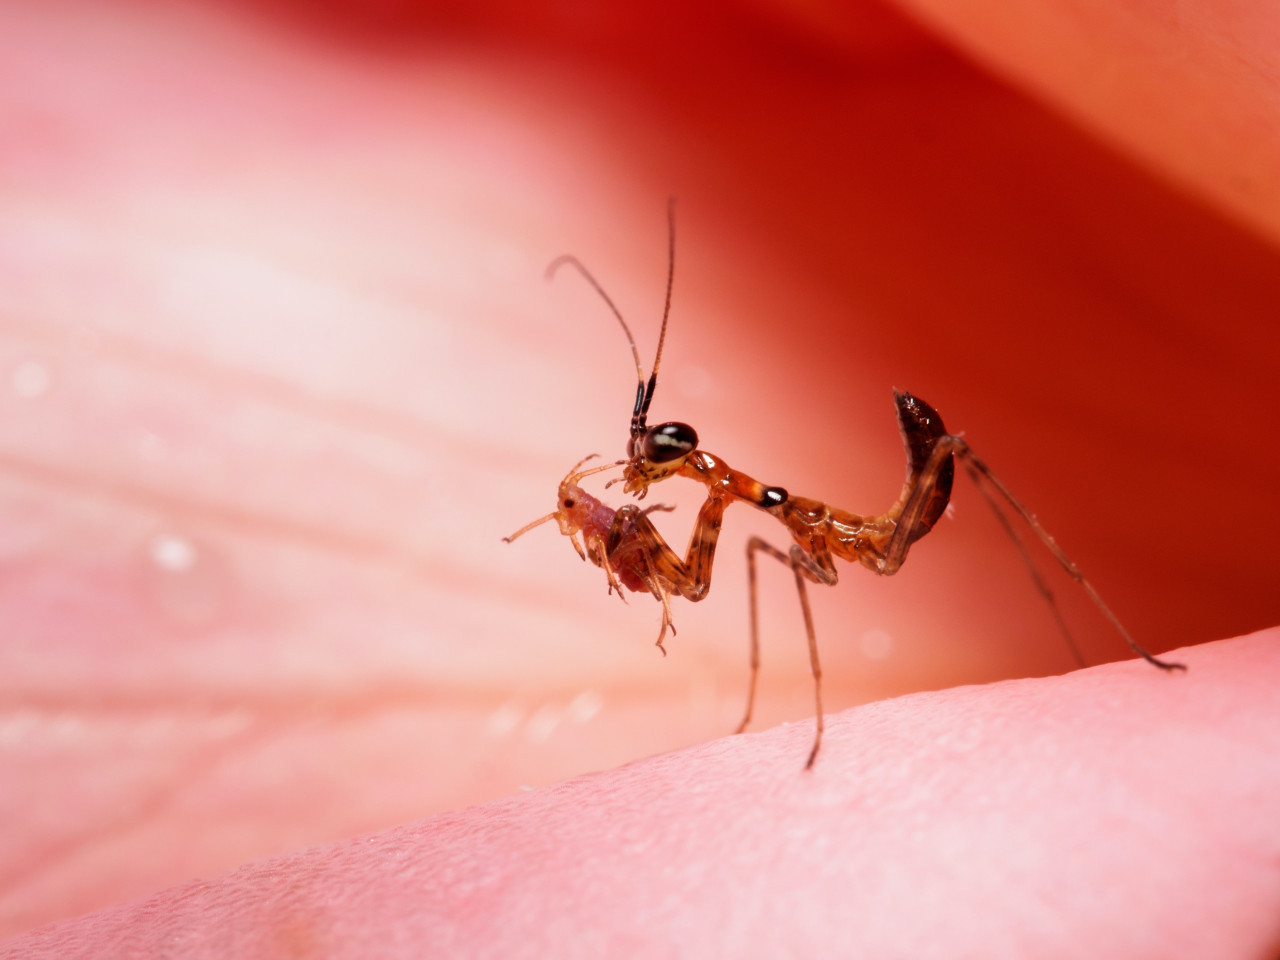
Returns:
<point x="921" y="427"/>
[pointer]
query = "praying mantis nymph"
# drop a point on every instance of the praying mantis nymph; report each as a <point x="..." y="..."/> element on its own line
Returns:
<point x="633" y="553"/>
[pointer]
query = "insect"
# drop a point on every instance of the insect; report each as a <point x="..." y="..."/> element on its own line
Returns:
<point x="627" y="546"/>
<point x="820" y="533"/>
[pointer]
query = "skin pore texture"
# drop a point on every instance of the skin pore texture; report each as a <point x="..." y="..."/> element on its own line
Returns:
<point x="1001" y="820"/>
<point x="278" y="370"/>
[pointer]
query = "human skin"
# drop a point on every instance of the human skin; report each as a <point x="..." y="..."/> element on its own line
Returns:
<point x="272" y="297"/>
<point x="1113" y="810"/>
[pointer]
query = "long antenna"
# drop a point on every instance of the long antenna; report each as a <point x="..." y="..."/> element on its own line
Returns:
<point x="644" y="392"/>
<point x="573" y="261"/>
<point x="671" y="276"/>
<point x="642" y="403"/>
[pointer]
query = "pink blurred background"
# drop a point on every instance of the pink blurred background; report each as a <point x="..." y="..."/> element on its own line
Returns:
<point x="278" y="370"/>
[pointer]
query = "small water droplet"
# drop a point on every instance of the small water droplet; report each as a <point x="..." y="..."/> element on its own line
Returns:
<point x="584" y="706"/>
<point x="171" y="552"/>
<point x="187" y="581"/>
<point x="876" y="644"/>
<point x="31" y="379"/>
<point x="543" y="722"/>
<point x="504" y="720"/>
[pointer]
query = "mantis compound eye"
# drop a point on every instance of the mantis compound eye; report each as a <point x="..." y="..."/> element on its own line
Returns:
<point x="669" y="441"/>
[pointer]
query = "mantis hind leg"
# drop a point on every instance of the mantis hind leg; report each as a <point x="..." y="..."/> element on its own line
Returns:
<point x="983" y="477"/>
<point x="1028" y="561"/>
<point x="922" y="495"/>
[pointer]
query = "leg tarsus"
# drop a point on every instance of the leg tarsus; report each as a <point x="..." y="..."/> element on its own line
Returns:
<point x="664" y="507"/>
<point x="1170" y="665"/>
<point x="663" y="595"/>
<point x="817" y="742"/>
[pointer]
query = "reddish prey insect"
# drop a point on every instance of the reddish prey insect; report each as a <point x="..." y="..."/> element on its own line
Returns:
<point x="633" y="552"/>
<point x="627" y="546"/>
